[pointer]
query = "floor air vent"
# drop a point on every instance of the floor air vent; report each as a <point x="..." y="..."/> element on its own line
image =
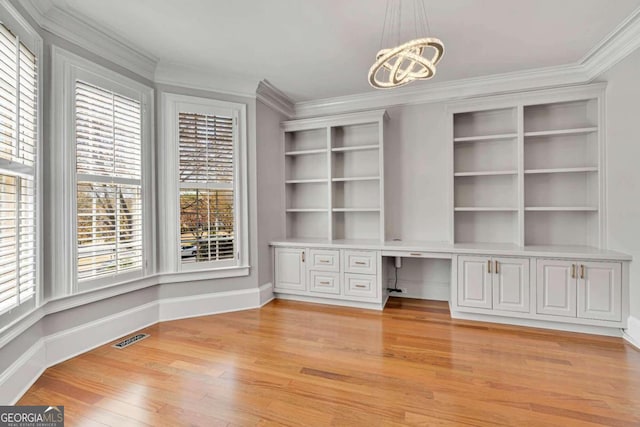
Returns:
<point x="131" y="340"/>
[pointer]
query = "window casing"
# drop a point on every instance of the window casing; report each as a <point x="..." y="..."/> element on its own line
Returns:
<point x="205" y="170"/>
<point x="101" y="179"/>
<point x="19" y="163"/>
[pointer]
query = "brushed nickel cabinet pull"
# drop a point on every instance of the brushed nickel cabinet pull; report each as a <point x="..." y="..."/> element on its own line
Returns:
<point x="324" y="261"/>
<point x="302" y="256"/>
<point x="489" y="266"/>
<point x="497" y="268"/>
<point x="325" y="283"/>
<point x="573" y="271"/>
<point x="360" y="286"/>
<point x="415" y="254"/>
<point x="582" y="271"/>
<point x="361" y="263"/>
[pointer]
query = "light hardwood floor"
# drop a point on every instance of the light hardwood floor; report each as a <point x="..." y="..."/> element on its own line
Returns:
<point x="293" y="363"/>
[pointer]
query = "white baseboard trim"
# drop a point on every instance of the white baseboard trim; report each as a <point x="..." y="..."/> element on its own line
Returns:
<point x="632" y="333"/>
<point x="203" y="305"/>
<point x="542" y="324"/>
<point x="75" y="341"/>
<point x="55" y="348"/>
<point x="330" y="301"/>
<point x="22" y="373"/>
<point x="266" y="294"/>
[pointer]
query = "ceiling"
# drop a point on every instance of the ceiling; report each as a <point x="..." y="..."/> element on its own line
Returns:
<point x="315" y="49"/>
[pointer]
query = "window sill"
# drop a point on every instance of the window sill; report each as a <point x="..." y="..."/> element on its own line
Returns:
<point x="204" y="274"/>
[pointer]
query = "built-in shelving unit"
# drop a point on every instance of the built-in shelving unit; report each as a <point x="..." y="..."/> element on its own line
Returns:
<point x="529" y="170"/>
<point x="334" y="176"/>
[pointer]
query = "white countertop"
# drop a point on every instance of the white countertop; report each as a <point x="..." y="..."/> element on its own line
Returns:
<point x="583" y="252"/>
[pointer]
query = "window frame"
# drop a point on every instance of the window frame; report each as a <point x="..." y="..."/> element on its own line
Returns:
<point x="172" y="105"/>
<point x="67" y="69"/>
<point x="32" y="40"/>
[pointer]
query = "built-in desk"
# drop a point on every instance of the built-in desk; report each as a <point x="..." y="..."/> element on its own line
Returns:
<point x="560" y="287"/>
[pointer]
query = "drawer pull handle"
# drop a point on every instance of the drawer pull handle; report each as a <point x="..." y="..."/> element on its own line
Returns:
<point x="360" y="286"/>
<point x="324" y="261"/>
<point x="582" y="271"/>
<point x="302" y="256"/>
<point x="573" y="271"/>
<point x="497" y="270"/>
<point x="489" y="266"/>
<point x="415" y="254"/>
<point x="361" y="263"/>
<point x="325" y="283"/>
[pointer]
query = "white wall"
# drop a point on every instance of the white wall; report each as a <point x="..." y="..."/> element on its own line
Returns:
<point x="270" y="152"/>
<point x="623" y="165"/>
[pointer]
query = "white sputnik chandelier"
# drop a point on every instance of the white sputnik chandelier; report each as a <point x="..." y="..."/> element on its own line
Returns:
<point x="413" y="60"/>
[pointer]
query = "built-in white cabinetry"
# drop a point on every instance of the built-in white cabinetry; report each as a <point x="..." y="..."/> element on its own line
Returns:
<point x="582" y="289"/>
<point x="334" y="172"/>
<point x="336" y="276"/>
<point x="493" y="283"/>
<point x="529" y="170"/>
<point x="291" y="271"/>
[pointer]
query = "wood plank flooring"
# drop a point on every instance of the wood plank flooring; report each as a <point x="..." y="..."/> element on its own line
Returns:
<point x="293" y="363"/>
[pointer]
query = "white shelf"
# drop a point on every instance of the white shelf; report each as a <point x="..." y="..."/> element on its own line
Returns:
<point x="356" y="178"/>
<point x="486" y="173"/>
<point x="307" y="210"/>
<point x="306" y="181"/>
<point x="486" y="137"/>
<point x="485" y="209"/>
<point x="356" y="209"/>
<point x="305" y="152"/>
<point x="356" y="148"/>
<point x="562" y="132"/>
<point x="561" y="170"/>
<point x="561" y="209"/>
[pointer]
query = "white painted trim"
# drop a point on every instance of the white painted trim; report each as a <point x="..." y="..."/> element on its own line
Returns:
<point x="273" y="97"/>
<point x="632" y="333"/>
<point x="203" y="305"/>
<point x="91" y="36"/>
<point x="22" y="373"/>
<point x="66" y="344"/>
<point x="203" y="274"/>
<point x="619" y="43"/>
<point x="330" y="301"/>
<point x="266" y="294"/>
<point x="542" y="324"/>
<point x="182" y="75"/>
<point x="72" y="342"/>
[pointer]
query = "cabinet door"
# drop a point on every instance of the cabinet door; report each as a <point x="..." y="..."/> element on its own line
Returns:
<point x="511" y="284"/>
<point x="599" y="288"/>
<point x="290" y="269"/>
<point x="556" y="287"/>
<point x="474" y="282"/>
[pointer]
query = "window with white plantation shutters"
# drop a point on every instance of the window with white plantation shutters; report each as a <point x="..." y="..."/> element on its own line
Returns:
<point x="109" y="186"/>
<point x="18" y="142"/>
<point x="206" y="168"/>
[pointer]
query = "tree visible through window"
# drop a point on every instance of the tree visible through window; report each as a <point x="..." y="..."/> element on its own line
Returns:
<point x="207" y="220"/>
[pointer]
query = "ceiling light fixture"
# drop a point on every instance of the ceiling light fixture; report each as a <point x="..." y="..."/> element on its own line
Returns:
<point x="397" y="66"/>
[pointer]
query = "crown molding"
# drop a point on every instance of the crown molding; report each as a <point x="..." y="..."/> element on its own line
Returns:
<point x="270" y="95"/>
<point x="92" y="36"/>
<point x="445" y="91"/>
<point x="616" y="46"/>
<point x="623" y="40"/>
<point x="174" y="74"/>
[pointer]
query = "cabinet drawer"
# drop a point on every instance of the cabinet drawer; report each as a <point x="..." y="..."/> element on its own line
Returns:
<point x="324" y="260"/>
<point x="324" y="282"/>
<point x="363" y="262"/>
<point x="360" y="285"/>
